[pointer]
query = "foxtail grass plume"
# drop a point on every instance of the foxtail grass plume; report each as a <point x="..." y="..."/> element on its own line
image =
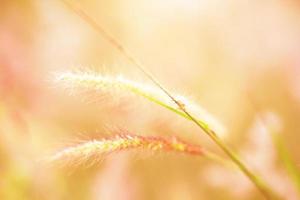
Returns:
<point x="73" y="81"/>
<point x="96" y="150"/>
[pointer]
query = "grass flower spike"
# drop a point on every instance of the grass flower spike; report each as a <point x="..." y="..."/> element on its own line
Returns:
<point x="73" y="81"/>
<point x="96" y="149"/>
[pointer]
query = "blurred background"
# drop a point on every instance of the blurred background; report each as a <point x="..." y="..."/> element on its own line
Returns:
<point x="238" y="59"/>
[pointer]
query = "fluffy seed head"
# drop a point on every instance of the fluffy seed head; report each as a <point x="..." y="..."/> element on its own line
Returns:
<point x="100" y="83"/>
<point x="97" y="149"/>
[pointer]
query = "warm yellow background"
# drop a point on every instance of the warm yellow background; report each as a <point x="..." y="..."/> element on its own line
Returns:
<point x="235" y="58"/>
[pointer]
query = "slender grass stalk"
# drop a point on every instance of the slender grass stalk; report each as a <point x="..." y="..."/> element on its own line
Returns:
<point x="96" y="149"/>
<point x="255" y="179"/>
